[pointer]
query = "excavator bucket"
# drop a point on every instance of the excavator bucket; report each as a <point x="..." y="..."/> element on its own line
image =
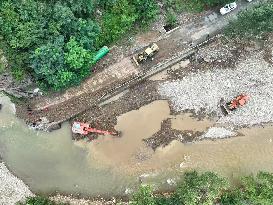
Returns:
<point x="234" y="104"/>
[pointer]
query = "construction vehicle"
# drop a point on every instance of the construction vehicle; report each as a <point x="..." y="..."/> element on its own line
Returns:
<point x="85" y="129"/>
<point x="235" y="103"/>
<point x="147" y="53"/>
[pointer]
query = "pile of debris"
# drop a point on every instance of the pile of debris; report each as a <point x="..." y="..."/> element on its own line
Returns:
<point x="203" y="90"/>
<point x="217" y="133"/>
<point x="215" y="52"/>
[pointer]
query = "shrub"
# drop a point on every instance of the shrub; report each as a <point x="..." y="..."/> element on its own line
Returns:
<point x="203" y="189"/>
<point x="44" y="37"/>
<point x="253" y="22"/>
<point x="144" y="196"/>
<point x="38" y="200"/>
<point x="171" y="18"/>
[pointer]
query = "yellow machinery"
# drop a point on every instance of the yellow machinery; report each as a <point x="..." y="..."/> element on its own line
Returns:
<point x="147" y="53"/>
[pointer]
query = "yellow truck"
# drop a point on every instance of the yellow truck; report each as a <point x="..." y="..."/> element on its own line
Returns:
<point x="150" y="51"/>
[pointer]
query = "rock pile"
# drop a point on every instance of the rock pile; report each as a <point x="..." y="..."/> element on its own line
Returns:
<point x="203" y="91"/>
<point x="217" y="133"/>
<point x="214" y="52"/>
<point x="12" y="189"/>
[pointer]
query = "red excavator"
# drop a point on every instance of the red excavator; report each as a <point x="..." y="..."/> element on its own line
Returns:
<point x="237" y="102"/>
<point x="84" y="129"/>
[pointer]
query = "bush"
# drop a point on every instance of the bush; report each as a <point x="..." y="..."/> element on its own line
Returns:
<point x="2" y="67"/>
<point x="171" y="18"/>
<point x="252" y="190"/>
<point x="146" y="11"/>
<point x="200" y="189"/>
<point x="253" y="22"/>
<point x="193" y="5"/>
<point x="38" y="200"/>
<point x="144" y="196"/>
<point x="43" y="38"/>
<point x="117" y="21"/>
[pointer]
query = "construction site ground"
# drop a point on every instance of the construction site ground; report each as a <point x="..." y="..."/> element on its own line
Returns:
<point x="118" y="68"/>
<point x="218" y="55"/>
<point x="82" y="102"/>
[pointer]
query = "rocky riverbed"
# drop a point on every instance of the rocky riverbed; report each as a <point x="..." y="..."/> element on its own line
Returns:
<point x="12" y="189"/>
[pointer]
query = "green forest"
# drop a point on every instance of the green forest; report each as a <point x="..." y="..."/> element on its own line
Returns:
<point x="54" y="41"/>
<point x="206" y="188"/>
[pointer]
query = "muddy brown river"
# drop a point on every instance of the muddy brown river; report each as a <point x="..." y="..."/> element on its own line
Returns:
<point x="108" y="166"/>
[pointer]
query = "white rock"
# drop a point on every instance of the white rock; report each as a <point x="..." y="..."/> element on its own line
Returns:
<point x="203" y="90"/>
<point x="217" y="132"/>
<point x="12" y="189"/>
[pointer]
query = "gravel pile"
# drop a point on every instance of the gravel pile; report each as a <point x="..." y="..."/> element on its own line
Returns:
<point x="214" y="52"/>
<point x="217" y="133"/>
<point x="12" y="189"/>
<point x="203" y="91"/>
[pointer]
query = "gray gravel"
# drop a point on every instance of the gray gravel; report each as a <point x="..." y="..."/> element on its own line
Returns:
<point x="217" y="133"/>
<point x="12" y="189"/>
<point x="203" y="90"/>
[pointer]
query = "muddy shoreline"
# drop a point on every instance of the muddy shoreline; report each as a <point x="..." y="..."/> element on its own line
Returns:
<point x="105" y="117"/>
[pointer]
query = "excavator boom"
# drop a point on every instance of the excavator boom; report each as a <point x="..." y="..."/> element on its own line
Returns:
<point x="84" y="129"/>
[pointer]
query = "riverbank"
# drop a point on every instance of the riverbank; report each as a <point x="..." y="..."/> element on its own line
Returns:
<point x="192" y="86"/>
<point x="12" y="189"/>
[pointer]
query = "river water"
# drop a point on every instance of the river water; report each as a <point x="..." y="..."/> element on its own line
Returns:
<point x="50" y="162"/>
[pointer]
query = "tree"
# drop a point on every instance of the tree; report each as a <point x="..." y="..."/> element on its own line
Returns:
<point x="252" y="23"/>
<point x="144" y="196"/>
<point x="146" y="10"/>
<point x="47" y="60"/>
<point x="81" y="8"/>
<point x="37" y="39"/>
<point x="87" y="33"/>
<point x="76" y="56"/>
<point x="202" y="189"/>
<point x="253" y="190"/>
<point x="117" y="21"/>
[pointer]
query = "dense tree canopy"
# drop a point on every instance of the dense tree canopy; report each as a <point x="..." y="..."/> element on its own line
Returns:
<point x="55" y="40"/>
<point x="253" y="22"/>
<point x="49" y="40"/>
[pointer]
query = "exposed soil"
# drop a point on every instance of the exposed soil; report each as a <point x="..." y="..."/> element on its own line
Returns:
<point x="166" y="135"/>
<point x="105" y="117"/>
<point x="58" y="107"/>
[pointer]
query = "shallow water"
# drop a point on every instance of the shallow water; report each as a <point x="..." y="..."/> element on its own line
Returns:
<point x="108" y="165"/>
<point x="50" y="161"/>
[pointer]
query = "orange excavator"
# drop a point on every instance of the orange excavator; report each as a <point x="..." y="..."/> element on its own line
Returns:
<point x="237" y="102"/>
<point x="84" y="129"/>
